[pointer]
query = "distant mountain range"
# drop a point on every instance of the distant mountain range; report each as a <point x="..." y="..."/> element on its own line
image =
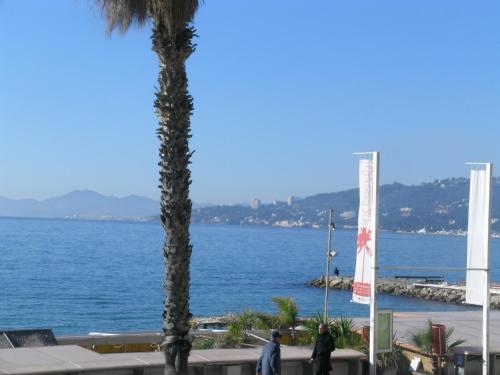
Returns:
<point x="83" y="204"/>
<point x="439" y="206"/>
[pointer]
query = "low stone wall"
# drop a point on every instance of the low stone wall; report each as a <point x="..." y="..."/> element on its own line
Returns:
<point x="408" y="288"/>
<point x="73" y="359"/>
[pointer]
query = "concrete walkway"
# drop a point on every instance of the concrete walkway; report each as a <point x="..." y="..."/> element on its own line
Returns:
<point x="467" y="324"/>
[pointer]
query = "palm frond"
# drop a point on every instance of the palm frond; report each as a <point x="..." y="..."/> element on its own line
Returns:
<point x="423" y="338"/>
<point x="449" y="332"/>
<point x="288" y="310"/>
<point x="455" y="344"/>
<point x="249" y="320"/>
<point x="343" y="327"/>
<point x="121" y="14"/>
<point x="174" y="14"/>
<point x="312" y="326"/>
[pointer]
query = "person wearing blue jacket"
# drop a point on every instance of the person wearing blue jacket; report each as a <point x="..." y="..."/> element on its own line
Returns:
<point x="270" y="359"/>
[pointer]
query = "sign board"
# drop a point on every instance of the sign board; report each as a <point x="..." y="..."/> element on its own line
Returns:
<point x="384" y="331"/>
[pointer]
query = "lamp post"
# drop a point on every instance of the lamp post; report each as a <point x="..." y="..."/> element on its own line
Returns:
<point x="329" y="255"/>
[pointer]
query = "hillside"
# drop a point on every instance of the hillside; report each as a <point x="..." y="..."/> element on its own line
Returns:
<point x="439" y="206"/>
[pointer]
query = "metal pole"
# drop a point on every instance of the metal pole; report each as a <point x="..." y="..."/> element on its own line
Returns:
<point x="486" y="318"/>
<point x="373" y="276"/>
<point x="486" y="300"/>
<point x="327" y="276"/>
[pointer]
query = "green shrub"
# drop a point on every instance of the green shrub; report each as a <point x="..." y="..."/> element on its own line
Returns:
<point x="312" y="326"/>
<point x="249" y="320"/>
<point x="227" y="342"/>
<point x="204" y="343"/>
<point x="342" y="329"/>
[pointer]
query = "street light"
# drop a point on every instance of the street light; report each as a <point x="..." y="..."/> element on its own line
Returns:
<point x="329" y="255"/>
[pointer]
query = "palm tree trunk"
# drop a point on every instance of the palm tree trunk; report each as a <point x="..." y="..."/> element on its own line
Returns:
<point x="174" y="107"/>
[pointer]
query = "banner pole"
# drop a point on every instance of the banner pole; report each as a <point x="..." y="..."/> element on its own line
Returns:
<point x="478" y="249"/>
<point x="486" y="300"/>
<point x="373" y="274"/>
<point x="486" y="319"/>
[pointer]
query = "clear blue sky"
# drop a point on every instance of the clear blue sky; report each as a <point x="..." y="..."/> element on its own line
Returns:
<point x="284" y="92"/>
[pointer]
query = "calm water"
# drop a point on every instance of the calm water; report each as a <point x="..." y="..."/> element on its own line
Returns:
<point x="86" y="276"/>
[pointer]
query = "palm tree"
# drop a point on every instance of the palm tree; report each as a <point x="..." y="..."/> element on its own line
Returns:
<point x="423" y="338"/>
<point x="288" y="312"/>
<point x="172" y="36"/>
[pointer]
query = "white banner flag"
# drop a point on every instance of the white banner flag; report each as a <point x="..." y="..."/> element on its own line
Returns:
<point x="478" y="234"/>
<point x="367" y="231"/>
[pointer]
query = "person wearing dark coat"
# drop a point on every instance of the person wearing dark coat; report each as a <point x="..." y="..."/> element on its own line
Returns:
<point x="323" y="348"/>
<point x="270" y="359"/>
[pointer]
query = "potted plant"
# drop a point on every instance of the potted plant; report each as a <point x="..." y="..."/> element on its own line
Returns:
<point x="423" y="340"/>
<point x="393" y="362"/>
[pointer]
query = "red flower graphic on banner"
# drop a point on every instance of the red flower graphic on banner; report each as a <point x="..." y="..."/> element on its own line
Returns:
<point x="363" y="237"/>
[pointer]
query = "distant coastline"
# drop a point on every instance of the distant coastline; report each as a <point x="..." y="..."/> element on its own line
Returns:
<point x="438" y="208"/>
<point x="152" y="219"/>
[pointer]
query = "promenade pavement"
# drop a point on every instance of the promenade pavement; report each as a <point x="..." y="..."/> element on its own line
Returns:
<point x="467" y="325"/>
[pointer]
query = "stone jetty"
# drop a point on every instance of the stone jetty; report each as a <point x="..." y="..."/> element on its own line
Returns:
<point x="411" y="288"/>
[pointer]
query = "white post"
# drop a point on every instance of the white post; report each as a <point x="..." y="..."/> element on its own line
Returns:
<point x="486" y="301"/>
<point x="486" y="323"/>
<point x="373" y="279"/>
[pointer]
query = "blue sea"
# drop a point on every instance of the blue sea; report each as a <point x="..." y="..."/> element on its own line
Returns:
<point x="96" y="276"/>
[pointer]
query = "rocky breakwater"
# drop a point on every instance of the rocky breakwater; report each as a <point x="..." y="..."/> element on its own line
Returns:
<point x="410" y="288"/>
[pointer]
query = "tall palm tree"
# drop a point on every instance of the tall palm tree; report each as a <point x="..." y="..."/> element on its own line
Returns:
<point x="172" y="37"/>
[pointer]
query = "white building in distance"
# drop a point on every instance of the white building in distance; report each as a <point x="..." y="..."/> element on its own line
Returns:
<point x="290" y="200"/>
<point x="405" y="211"/>
<point x="255" y="204"/>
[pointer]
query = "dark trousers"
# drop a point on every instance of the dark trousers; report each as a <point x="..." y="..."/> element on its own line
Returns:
<point x="322" y="369"/>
